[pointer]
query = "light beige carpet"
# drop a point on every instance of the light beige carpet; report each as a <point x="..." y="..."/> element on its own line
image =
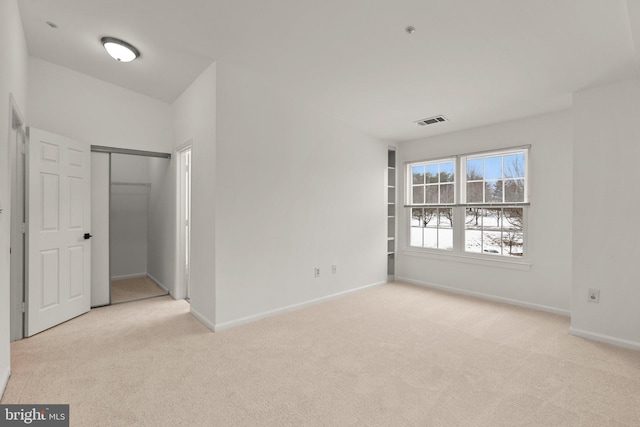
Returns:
<point x="134" y="289"/>
<point x="396" y="355"/>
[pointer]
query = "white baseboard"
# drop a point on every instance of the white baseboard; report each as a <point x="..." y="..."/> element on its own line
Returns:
<point x="209" y="324"/>
<point x="4" y="380"/>
<point x="159" y="283"/>
<point x="607" y="339"/>
<point x="129" y="276"/>
<point x="254" y="317"/>
<point x="519" y="303"/>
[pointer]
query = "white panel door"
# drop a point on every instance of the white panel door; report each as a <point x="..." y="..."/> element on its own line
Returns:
<point x="100" y="188"/>
<point x="59" y="215"/>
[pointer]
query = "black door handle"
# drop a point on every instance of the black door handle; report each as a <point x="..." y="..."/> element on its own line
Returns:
<point x="87" y="236"/>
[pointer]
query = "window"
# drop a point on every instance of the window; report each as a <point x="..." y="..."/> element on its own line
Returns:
<point x="472" y="204"/>
<point x="495" y="178"/>
<point x="432" y="186"/>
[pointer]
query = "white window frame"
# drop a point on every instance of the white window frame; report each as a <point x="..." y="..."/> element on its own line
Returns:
<point x="409" y="179"/>
<point x="437" y="205"/>
<point x="463" y="174"/>
<point x="459" y="252"/>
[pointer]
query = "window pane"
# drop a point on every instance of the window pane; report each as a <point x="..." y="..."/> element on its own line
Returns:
<point x="514" y="166"/>
<point x="447" y="173"/>
<point x="432" y="194"/>
<point x="493" y="168"/>
<point x="473" y="218"/>
<point x="446" y="217"/>
<point x="431" y="173"/>
<point x="493" y="191"/>
<point x="513" y="244"/>
<point x="418" y="174"/>
<point x="446" y="193"/>
<point x="514" y="190"/>
<point x="474" y="169"/>
<point x="430" y="218"/>
<point x="418" y="194"/>
<point x="416" y="217"/>
<point x="473" y="241"/>
<point x="445" y="230"/>
<point x="512" y="235"/>
<point x="491" y="219"/>
<point x="474" y="192"/>
<point x="491" y="243"/>
<point x="513" y="218"/>
<point x="473" y="230"/>
<point x="445" y="238"/>
<point x="430" y="237"/>
<point x="416" y="237"/>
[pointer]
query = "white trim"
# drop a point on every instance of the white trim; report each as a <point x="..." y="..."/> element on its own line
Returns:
<point x="180" y="289"/>
<point x="185" y="145"/>
<point x="607" y="339"/>
<point x="159" y="283"/>
<point x="4" y="380"/>
<point x="519" y="303"/>
<point x="486" y="260"/>
<point x="129" y="276"/>
<point x="270" y="313"/>
<point x="206" y="322"/>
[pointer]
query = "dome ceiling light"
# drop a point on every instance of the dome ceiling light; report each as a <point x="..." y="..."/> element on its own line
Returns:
<point x="119" y="49"/>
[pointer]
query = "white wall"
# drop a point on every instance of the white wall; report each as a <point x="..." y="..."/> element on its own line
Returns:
<point x="129" y="168"/>
<point x="13" y="71"/>
<point x="295" y="190"/>
<point x="194" y="119"/>
<point x="129" y="212"/>
<point x="547" y="284"/>
<point x="605" y="212"/>
<point x="87" y="109"/>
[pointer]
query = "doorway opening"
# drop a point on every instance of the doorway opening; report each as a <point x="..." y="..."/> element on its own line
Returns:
<point x="183" y="273"/>
<point x="131" y="188"/>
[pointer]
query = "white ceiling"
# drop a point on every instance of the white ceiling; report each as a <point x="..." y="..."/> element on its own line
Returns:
<point x="474" y="61"/>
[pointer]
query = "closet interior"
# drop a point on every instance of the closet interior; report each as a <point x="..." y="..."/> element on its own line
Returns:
<point x="127" y="219"/>
<point x="129" y="215"/>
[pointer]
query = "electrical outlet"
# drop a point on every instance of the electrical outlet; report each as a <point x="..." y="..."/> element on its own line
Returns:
<point x="334" y="269"/>
<point x="317" y="270"/>
<point x="594" y="295"/>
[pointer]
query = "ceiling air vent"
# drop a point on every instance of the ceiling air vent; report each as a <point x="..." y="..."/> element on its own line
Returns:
<point x="431" y="120"/>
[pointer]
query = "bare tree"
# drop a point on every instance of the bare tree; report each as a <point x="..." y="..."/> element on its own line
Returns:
<point x="428" y="215"/>
<point x="512" y="235"/>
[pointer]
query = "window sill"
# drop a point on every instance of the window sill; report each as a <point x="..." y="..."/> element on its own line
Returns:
<point x="486" y="260"/>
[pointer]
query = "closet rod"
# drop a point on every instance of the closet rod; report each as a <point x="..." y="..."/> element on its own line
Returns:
<point x="137" y="184"/>
<point x="114" y="150"/>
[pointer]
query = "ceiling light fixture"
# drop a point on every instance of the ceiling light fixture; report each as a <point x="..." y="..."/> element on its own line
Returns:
<point x="119" y="49"/>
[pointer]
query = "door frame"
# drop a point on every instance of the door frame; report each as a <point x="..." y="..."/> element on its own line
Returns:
<point x="17" y="166"/>
<point x="180" y="271"/>
<point x="127" y="151"/>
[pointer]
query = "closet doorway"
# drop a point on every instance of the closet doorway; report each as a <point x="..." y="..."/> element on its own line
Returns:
<point x="127" y="217"/>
